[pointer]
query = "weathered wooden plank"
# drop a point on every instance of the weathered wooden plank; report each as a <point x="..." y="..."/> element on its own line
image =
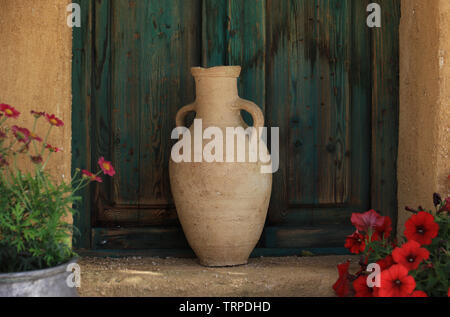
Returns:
<point x="316" y="51"/>
<point x="170" y="45"/>
<point x="162" y="237"/>
<point x="361" y="106"/>
<point x="81" y="107"/>
<point x="101" y="136"/>
<point x="188" y="253"/>
<point x="385" y="103"/>
<point x="333" y="124"/>
<point x="277" y="69"/>
<point x="139" y="215"/>
<point x="138" y="238"/>
<point x="301" y="101"/>
<point x="246" y="46"/>
<point x="214" y="34"/>
<point x="125" y="103"/>
<point x="307" y="237"/>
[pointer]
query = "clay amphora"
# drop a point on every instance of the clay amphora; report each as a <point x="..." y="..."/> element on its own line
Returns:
<point x="222" y="206"/>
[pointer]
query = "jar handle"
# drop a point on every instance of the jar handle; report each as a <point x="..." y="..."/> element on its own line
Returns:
<point x="181" y="114"/>
<point x="254" y="110"/>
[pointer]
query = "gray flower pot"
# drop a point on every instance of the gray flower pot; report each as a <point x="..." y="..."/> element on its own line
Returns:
<point x="50" y="282"/>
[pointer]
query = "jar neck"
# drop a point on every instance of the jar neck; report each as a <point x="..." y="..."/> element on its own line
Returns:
<point x="215" y="97"/>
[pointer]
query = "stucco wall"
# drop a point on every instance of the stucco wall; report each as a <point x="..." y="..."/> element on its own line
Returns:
<point x="424" y="144"/>
<point x="35" y="67"/>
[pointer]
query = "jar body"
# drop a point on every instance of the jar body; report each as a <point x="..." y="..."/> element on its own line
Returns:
<point x="222" y="205"/>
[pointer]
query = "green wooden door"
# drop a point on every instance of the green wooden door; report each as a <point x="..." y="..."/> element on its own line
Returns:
<point x="318" y="72"/>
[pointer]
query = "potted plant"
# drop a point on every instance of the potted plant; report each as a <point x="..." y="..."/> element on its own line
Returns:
<point x="35" y="239"/>
<point x="417" y="267"/>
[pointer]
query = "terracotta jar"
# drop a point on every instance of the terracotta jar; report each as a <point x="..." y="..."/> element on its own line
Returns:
<point x="222" y="206"/>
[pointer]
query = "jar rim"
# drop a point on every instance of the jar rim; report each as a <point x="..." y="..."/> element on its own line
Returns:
<point x="217" y="71"/>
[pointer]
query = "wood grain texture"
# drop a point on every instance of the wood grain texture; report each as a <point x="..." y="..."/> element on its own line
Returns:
<point x="214" y="32"/>
<point x="361" y="104"/>
<point x="318" y="72"/>
<point x="312" y="58"/>
<point x="246" y="46"/>
<point x="139" y="238"/>
<point x="143" y="54"/>
<point x="161" y="237"/>
<point x="81" y="109"/>
<point x="188" y="253"/>
<point x="385" y="110"/>
<point x="101" y="129"/>
<point x="333" y="128"/>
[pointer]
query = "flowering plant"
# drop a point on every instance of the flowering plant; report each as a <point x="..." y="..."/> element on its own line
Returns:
<point x="418" y="267"/>
<point x="33" y="203"/>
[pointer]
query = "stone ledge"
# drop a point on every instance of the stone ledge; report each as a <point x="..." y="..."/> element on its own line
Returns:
<point x="262" y="277"/>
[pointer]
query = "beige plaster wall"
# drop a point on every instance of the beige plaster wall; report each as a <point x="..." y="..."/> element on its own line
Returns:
<point x="424" y="141"/>
<point x="35" y="68"/>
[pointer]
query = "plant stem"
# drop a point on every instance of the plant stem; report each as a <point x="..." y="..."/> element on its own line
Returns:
<point x="45" y="139"/>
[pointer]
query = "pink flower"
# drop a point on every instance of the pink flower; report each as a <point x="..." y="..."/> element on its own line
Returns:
<point x="9" y="111"/>
<point x="91" y="176"/>
<point x="21" y="134"/>
<point x="54" y="120"/>
<point x="52" y="148"/>
<point x="106" y="167"/>
<point x="369" y="220"/>
<point x="37" y="114"/>
<point x="384" y="231"/>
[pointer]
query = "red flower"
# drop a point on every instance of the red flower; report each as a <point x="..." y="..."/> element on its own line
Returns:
<point x="448" y="291"/>
<point x="9" y="111"/>
<point x="419" y="294"/>
<point x="21" y="134"/>
<point x="385" y="229"/>
<point x="386" y="263"/>
<point x="410" y="255"/>
<point x="91" y="176"/>
<point x="421" y="228"/>
<point x="37" y="114"/>
<point x="367" y="221"/>
<point x="361" y="288"/>
<point x="342" y="285"/>
<point x="355" y="243"/>
<point x="54" y="120"/>
<point x="446" y="206"/>
<point x="395" y="282"/>
<point x="52" y="148"/>
<point x="106" y="167"/>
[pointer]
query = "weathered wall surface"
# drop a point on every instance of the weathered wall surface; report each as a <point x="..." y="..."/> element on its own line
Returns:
<point x="424" y="145"/>
<point x="35" y="68"/>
